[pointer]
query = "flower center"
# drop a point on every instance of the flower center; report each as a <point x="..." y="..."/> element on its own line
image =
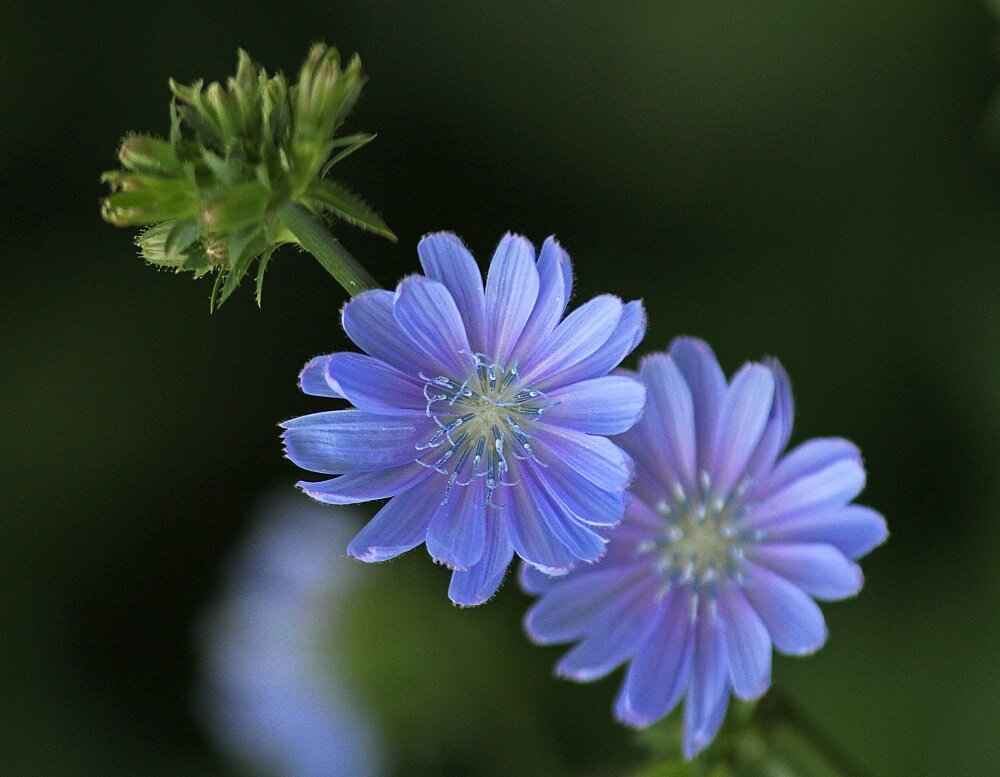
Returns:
<point x="703" y="538"/>
<point x="479" y="420"/>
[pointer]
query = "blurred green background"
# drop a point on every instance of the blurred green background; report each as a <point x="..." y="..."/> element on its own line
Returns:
<point x="812" y="181"/>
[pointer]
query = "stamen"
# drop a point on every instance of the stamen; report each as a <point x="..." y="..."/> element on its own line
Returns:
<point x="491" y="408"/>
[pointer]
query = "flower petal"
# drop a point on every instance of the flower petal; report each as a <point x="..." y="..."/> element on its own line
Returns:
<point x="554" y="276"/>
<point x="668" y="427"/>
<point x="627" y="334"/>
<point x="792" y="618"/>
<point x="587" y="502"/>
<point x="368" y="321"/>
<point x="697" y="363"/>
<point x="401" y="525"/>
<point x="804" y="460"/>
<point x="374" y="386"/>
<point x="747" y="645"/>
<point x="854" y="530"/>
<point x="827" y="475"/>
<point x="574" y="604"/>
<point x="478" y="583"/>
<point x="596" y="458"/>
<point x="457" y="532"/>
<point x="581" y="333"/>
<point x="742" y="419"/>
<point x="357" y="487"/>
<point x="819" y="570"/>
<point x="533" y="580"/>
<point x="578" y="538"/>
<point x="779" y="423"/>
<point x="709" y="680"/>
<point x="351" y="440"/>
<point x="445" y="259"/>
<point x="529" y="530"/>
<point x="660" y="672"/>
<point x="511" y="292"/>
<point x="425" y="310"/>
<point x="315" y="380"/>
<point x="608" y="405"/>
<point x="615" y="637"/>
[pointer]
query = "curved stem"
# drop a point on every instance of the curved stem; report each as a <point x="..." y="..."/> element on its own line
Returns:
<point x="779" y="708"/>
<point x="317" y="240"/>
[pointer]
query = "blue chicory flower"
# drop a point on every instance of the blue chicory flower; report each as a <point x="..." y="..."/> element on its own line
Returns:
<point x="724" y="546"/>
<point x="271" y="694"/>
<point x="482" y="414"/>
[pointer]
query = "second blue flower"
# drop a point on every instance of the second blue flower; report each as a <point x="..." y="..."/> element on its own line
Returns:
<point x="481" y="412"/>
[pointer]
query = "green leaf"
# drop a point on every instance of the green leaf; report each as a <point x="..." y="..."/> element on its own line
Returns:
<point x="264" y="259"/>
<point x="349" y="207"/>
<point x="352" y="143"/>
<point x="241" y="257"/>
<point x="215" y="291"/>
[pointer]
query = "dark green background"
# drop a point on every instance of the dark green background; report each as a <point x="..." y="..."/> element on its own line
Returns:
<point x="812" y="181"/>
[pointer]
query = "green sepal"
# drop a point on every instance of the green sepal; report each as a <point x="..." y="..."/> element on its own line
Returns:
<point x="342" y="203"/>
<point x="352" y="143"/>
<point x="261" y="267"/>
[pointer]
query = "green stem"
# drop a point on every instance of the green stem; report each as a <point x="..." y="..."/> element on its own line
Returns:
<point x="317" y="240"/>
<point x="778" y="708"/>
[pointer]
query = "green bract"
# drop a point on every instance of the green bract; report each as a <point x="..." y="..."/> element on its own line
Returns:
<point x="244" y="170"/>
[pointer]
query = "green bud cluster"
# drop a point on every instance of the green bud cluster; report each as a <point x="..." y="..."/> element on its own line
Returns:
<point x="213" y="197"/>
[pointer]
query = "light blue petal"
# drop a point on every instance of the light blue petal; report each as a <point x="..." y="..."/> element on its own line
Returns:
<point x="581" y="333"/>
<point x="697" y="363"/>
<point x="742" y="419"/>
<point x="819" y="570"/>
<point x="582" y="541"/>
<point x="779" y="423"/>
<point x="608" y="405"/>
<point x="573" y="605"/>
<point x="596" y="458"/>
<point x="804" y="460"/>
<point x="854" y="530"/>
<point x="374" y="386"/>
<point x="533" y="580"/>
<point x="660" y="672"/>
<point x="364" y="486"/>
<point x="553" y="274"/>
<point x="668" y="427"/>
<point x="709" y="680"/>
<point x="529" y="530"/>
<point x="368" y="321"/>
<point x="627" y="334"/>
<point x="511" y="291"/>
<point x="425" y="310"/>
<point x="615" y="636"/>
<point x="747" y="645"/>
<point x="477" y="584"/>
<point x="696" y="742"/>
<point x="838" y="477"/>
<point x="445" y="259"/>
<point x="351" y="440"/>
<point x="588" y="502"/>
<point x="316" y="381"/>
<point x="457" y="532"/>
<point x="792" y="618"/>
<point x="401" y="525"/>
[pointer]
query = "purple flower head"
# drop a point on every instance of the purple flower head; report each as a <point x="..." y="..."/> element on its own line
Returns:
<point x="481" y="413"/>
<point x="724" y="546"/>
<point x="271" y="693"/>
